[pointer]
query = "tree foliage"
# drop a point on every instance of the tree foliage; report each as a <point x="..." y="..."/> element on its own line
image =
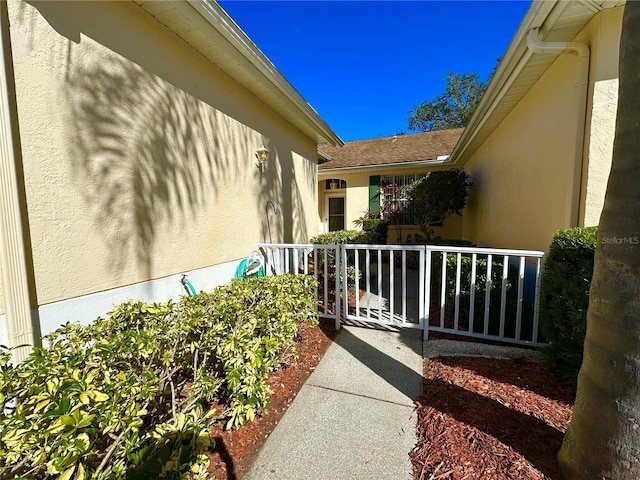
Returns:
<point x="435" y="197"/>
<point x="451" y="109"/>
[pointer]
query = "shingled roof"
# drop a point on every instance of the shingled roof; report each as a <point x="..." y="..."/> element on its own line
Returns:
<point x="389" y="150"/>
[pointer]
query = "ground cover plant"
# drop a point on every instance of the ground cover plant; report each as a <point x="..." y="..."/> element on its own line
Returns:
<point x="128" y="396"/>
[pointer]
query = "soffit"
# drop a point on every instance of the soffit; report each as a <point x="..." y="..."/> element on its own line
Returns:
<point x="523" y="69"/>
<point x="209" y="30"/>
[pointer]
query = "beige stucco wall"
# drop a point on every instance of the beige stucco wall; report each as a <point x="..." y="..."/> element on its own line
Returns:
<point x="528" y="173"/>
<point x="139" y="154"/>
<point x="603" y="34"/>
<point x="2" y="307"/>
<point x="357" y="200"/>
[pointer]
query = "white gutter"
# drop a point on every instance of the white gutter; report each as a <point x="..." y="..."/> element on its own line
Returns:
<point x="325" y="158"/>
<point x="441" y="160"/>
<point x="535" y="45"/>
<point x="217" y="18"/>
<point x="15" y="285"/>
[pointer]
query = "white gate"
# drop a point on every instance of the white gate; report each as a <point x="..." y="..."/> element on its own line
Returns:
<point x="486" y="293"/>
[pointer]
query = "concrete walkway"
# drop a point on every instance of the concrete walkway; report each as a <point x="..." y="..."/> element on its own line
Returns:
<point x="353" y="418"/>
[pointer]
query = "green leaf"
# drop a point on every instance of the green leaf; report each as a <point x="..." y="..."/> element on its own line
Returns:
<point x="66" y="475"/>
<point x="61" y="409"/>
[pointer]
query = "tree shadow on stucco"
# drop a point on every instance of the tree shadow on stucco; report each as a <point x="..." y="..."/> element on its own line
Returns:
<point x="145" y="153"/>
<point x="284" y="183"/>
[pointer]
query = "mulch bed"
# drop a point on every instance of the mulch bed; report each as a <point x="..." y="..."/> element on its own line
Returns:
<point x="235" y="450"/>
<point x="490" y="418"/>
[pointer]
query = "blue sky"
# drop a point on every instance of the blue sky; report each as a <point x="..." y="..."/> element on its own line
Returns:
<point x="363" y="65"/>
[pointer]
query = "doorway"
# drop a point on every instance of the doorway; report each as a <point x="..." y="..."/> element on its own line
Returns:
<point x="335" y="213"/>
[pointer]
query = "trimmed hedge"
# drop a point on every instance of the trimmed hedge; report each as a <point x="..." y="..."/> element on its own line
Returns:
<point x="564" y="298"/>
<point x="340" y="237"/>
<point x="126" y="396"/>
<point x="378" y="228"/>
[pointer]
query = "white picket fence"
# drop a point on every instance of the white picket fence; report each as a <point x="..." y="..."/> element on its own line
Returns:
<point x="486" y="293"/>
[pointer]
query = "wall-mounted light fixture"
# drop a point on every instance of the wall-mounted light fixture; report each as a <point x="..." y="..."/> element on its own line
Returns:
<point x="262" y="155"/>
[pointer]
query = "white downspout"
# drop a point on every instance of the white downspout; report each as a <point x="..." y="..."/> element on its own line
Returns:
<point x="536" y="45"/>
<point x="14" y="278"/>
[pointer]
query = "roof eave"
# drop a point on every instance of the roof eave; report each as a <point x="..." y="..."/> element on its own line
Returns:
<point x="419" y="163"/>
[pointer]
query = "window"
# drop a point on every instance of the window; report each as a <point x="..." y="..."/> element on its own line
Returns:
<point x="336" y="213"/>
<point x="391" y="196"/>
<point x="335" y="184"/>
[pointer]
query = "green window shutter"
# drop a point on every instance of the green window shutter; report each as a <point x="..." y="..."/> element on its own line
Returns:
<point x="374" y="193"/>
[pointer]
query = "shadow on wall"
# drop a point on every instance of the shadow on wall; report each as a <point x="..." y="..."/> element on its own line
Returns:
<point x="159" y="134"/>
<point x="294" y="177"/>
<point x="146" y="153"/>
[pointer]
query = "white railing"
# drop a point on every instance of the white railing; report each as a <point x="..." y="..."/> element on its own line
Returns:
<point x="390" y="277"/>
<point x="512" y="277"/>
<point x="486" y="293"/>
<point x="321" y="261"/>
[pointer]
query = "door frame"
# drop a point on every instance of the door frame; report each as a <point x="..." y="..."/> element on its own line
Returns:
<point x="327" y="196"/>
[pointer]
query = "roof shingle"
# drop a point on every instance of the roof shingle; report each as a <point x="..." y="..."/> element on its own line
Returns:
<point x="394" y="149"/>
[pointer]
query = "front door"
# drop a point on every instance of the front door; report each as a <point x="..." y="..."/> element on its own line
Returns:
<point x="335" y="209"/>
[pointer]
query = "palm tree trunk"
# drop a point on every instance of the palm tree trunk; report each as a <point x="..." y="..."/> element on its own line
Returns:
<point x="603" y="439"/>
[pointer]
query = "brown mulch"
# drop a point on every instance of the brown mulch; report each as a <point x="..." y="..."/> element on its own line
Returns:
<point x="490" y="418"/>
<point x="235" y="450"/>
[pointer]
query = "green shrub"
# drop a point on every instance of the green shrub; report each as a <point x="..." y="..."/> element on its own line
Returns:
<point x="452" y="242"/>
<point x="417" y="239"/>
<point x="125" y="396"/>
<point x="340" y="237"/>
<point x="378" y="228"/>
<point x="564" y="298"/>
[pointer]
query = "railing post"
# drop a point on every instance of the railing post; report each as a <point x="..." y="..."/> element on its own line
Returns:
<point x="340" y="252"/>
<point x="427" y="290"/>
<point x="536" y="304"/>
<point x="421" y="286"/>
<point x="472" y="295"/>
<point x="487" y="295"/>
<point x="443" y="289"/>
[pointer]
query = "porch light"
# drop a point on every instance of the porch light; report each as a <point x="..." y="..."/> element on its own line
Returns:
<point x="333" y="185"/>
<point x="262" y="155"/>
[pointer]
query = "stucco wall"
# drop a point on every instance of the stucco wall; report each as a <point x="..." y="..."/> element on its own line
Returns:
<point x="139" y="154"/>
<point x="529" y="171"/>
<point x="4" y="337"/>
<point x="357" y="200"/>
<point x="2" y="307"/>
<point x="603" y="35"/>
